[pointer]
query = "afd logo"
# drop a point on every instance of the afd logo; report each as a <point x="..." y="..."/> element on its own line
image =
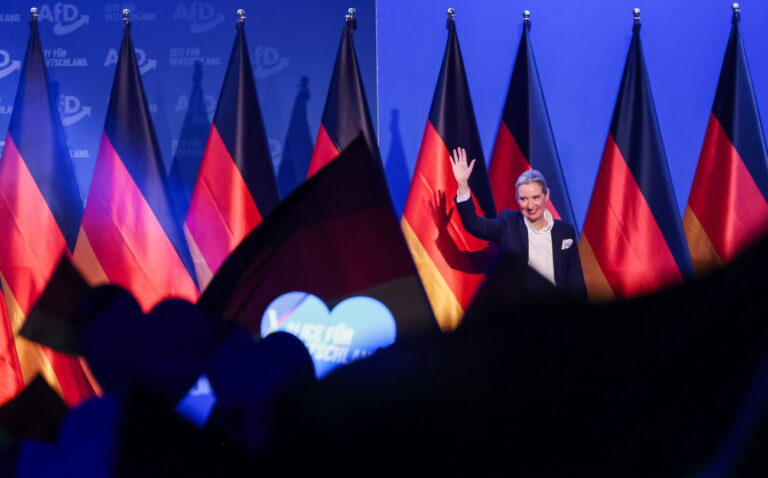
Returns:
<point x="200" y="15"/>
<point x="145" y="64"/>
<point x="71" y="111"/>
<point x="66" y="17"/>
<point x="7" y="66"/>
<point x="267" y="62"/>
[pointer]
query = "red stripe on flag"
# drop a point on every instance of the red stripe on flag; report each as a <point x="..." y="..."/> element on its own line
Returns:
<point x="724" y="196"/>
<point x="11" y="378"/>
<point x="32" y="243"/>
<point x="623" y="233"/>
<point x="507" y="164"/>
<point x="431" y="212"/>
<point x="325" y="151"/>
<point x="74" y="383"/>
<point x="127" y="238"/>
<point x="222" y="211"/>
<point x="32" y="247"/>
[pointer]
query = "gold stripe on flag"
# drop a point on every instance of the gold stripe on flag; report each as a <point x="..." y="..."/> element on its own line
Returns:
<point x="445" y="306"/>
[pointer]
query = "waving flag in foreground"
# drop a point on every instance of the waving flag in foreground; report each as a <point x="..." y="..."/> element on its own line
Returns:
<point x="728" y="204"/>
<point x="632" y="241"/>
<point x="130" y="234"/>
<point x="335" y="237"/>
<point x="40" y="213"/>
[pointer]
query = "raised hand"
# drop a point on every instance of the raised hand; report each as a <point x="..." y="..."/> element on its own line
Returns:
<point x="461" y="171"/>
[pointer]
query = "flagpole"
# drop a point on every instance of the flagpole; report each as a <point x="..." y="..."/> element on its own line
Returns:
<point x="241" y="15"/>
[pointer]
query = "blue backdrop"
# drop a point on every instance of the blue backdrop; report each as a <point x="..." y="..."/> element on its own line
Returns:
<point x="289" y="40"/>
<point x="580" y="48"/>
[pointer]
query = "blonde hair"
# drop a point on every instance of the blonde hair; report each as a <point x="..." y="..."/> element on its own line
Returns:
<point x="532" y="176"/>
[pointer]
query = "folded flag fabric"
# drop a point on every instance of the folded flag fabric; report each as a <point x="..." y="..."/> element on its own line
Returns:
<point x="728" y="204"/>
<point x="450" y="261"/>
<point x="130" y="234"/>
<point x="346" y="114"/>
<point x="236" y="185"/>
<point x="40" y="214"/>
<point x="632" y="242"/>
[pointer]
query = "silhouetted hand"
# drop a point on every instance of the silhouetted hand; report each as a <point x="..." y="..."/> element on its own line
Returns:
<point x="439" y="205"/>
<point x="471" y="262"/>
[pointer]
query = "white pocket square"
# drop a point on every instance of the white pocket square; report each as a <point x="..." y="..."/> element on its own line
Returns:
<point x="567" y="243"/>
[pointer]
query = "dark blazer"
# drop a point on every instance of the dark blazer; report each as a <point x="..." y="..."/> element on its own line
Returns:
<point x="510" y="232"/>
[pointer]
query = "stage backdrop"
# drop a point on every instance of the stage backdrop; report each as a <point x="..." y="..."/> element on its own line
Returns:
<point x="292" y="44"/>
<point x="580" y="48"/>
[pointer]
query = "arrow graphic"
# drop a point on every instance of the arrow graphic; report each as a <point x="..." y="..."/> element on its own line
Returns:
<point x="60" y="29"/>
<point x="15" y="65"/>
<point x="149" y="65"/>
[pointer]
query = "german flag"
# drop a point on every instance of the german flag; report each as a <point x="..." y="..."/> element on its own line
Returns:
<point x="524" y="140"/>
<point x="130" y="235"/>
<point x="632" y="242"/>
<point x="40" y="214"/>
<point x="445" y="254"/>
<point x="728" y="204"/>
<point x="346" y="114"/>
<point x="335" y="236"/>
<point x="236" y="185"/>
<point x="11" y="377"/>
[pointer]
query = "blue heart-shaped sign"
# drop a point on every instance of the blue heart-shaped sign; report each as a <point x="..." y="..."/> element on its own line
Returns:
<point x="354" y="329"/>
